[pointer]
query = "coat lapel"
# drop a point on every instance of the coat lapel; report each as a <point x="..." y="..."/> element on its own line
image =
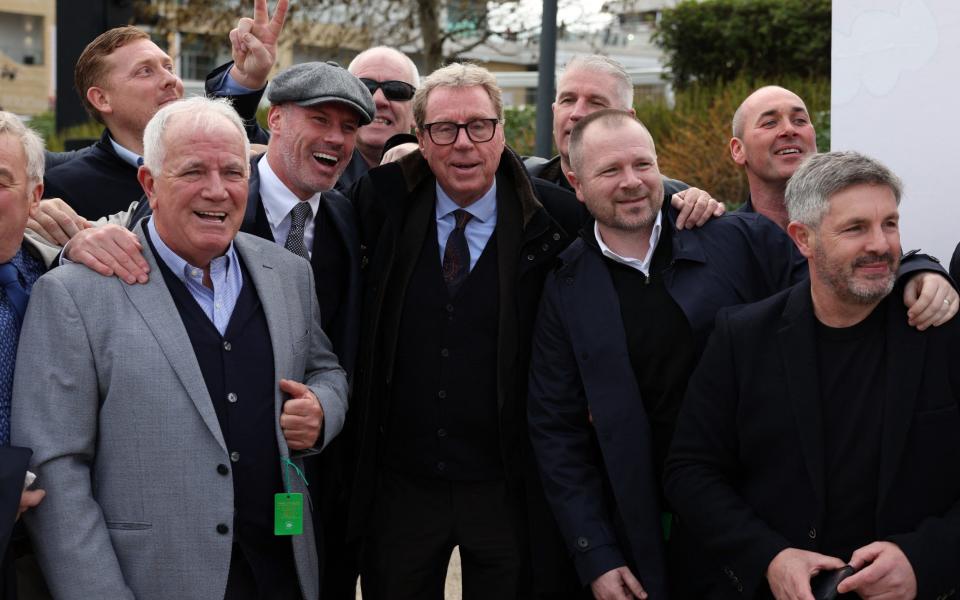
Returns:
<point x="266" y="280"/>
<point x="798" y="353"/>
<point x="155" y="304"/>
<point x="906" y="348"/>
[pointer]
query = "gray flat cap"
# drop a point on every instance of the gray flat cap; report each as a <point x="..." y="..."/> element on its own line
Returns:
<point x="310" y="83"/>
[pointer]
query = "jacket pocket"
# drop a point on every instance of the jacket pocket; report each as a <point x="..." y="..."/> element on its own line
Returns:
<point x="128" y="525"/>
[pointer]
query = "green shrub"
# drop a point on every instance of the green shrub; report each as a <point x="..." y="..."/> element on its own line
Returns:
<point x="714" y="41"/>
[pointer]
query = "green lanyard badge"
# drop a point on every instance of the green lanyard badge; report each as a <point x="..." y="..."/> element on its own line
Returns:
<point x="288" y="507"/>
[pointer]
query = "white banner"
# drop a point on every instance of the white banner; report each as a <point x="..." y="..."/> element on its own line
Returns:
<point x="896" y="97"/>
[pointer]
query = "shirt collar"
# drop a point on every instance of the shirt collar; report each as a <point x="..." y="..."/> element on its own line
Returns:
<point x="177" y="265"/>
<point x="482" y="210"/>
<point x="642" y="265"/>
<point x="277" y="198"/>
<point x="128" y="156"/>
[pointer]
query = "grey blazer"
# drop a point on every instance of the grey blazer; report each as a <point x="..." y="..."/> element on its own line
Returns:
<point x="126" y="442"/>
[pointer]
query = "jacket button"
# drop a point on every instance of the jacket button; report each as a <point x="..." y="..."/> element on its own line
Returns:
<point x="223" y="469"/>
<point x="442" y="394"/>
<point x="444" y="352"/>
<point x="231" y="397"/>
<point x="234" y="457"/>
<point x="441" y="466"/>
<point x="582" y="543"/>
<point x="442" y="432"/>
<point x="227" y="346"/>
<point x="812" y="534"/>
<point x="556" y="237"/>
<point x="222" y="529"/>
<point x="545" y="247"/>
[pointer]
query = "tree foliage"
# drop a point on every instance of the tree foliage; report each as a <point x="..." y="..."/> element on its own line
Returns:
<point x="438" y="30"/>
<point x="716" y="40"/>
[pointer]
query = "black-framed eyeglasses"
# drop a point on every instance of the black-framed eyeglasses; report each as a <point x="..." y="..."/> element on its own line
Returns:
<point x="393" y="90"/>
<point x="444" y="133"/>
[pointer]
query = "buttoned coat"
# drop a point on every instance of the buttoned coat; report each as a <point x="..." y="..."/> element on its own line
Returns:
<point x="746" y="470"/>
<point x="127" y="443"/>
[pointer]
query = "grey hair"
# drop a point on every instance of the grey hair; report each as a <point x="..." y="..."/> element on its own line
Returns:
<point x="414" y="73"/>
<point x="823" y="175"/>
<point x="607" y="66"/>
<point x="608" y="117"/>
<point x="32" y="144"/>
<point x="203" y="113"/>
<point x="456" y="75"/>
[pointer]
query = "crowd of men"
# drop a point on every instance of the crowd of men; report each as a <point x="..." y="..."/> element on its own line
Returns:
<point x="577" y="370"/>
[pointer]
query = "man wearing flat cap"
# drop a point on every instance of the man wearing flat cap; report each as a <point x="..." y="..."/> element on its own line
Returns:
<point x="316" y="109"/>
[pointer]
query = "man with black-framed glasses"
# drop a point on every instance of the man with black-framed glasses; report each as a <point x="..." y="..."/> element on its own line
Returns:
<point x="456" y="241"/>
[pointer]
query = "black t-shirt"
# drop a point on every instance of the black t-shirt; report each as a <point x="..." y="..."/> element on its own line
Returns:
<point x="852" y="368"/>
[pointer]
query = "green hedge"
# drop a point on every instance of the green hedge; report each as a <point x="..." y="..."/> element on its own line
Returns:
<point x="714" y="41"/>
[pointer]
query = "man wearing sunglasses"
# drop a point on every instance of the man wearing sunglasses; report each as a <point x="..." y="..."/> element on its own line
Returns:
<point x="392" y="78"/>
<point x="456" y="242"/>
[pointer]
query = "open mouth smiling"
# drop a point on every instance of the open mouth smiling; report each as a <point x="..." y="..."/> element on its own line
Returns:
<point x="326" y="159"/>
<point x="206" y="215"/>
<point x="788" y="151"/>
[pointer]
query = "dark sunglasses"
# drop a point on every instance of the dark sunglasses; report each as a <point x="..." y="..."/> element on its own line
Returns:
<point x="393" y="90"/>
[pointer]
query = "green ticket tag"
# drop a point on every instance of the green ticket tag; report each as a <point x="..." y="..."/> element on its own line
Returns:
<point x="287" y="514"/>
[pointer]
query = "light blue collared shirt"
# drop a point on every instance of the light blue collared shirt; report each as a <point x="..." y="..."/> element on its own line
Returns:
<point x="128" y="156"/>
<point x="225" y="273"/>
<point x="230" y="87"/>
<point x="478" y="229"/>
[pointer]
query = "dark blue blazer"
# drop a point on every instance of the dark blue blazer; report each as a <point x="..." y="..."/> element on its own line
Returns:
<point x="746" y="469"/>
<point x="13" y="467"/>
<point x="95" y="182"/>
<point x="339" y="303"/>
<point x="581" y="362"/>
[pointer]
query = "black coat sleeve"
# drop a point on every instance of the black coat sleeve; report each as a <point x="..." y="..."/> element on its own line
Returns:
<point x="245" y="104"/>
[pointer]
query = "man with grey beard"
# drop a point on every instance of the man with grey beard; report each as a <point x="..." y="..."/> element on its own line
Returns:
<point x="819" y="427"/>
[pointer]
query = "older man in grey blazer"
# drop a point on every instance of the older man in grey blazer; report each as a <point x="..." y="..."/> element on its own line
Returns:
<point x="168" y="416"/>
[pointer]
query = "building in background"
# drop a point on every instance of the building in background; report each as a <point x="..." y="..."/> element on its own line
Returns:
<point x="26" y="55"/>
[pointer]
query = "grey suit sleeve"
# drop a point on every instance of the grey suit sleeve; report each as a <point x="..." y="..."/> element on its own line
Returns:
<point x="55" y="412"/>
<point x="323" y="374"/>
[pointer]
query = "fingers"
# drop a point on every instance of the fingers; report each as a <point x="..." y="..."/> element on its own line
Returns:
<point x="29" y="499"/>
<point x="110" y="250"/>
<point x="678" y="201"/>
<point x="930" y="299"/>
<point x="260" y="14"/>
<point x="695" y="207"/>
<point x="56" y="221"/>
<point x="632" y="584"/>
<point x="294" y="388"/>
<point x="302" y="415"/>
<point x="279" y="16"/>
<point x="790" y="571"/>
